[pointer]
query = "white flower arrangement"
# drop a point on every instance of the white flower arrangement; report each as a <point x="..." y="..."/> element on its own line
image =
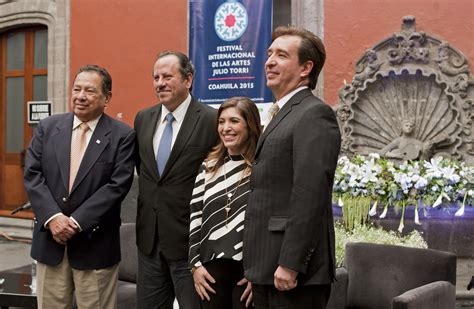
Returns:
<point x="363" y="182"/>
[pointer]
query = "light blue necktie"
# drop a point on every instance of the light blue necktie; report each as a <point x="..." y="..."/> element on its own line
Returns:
<point x="164" y="149"/>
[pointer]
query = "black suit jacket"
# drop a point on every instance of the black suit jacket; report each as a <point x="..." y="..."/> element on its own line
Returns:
<point x="163" y="202"/>
<point x="289" y="218"/>
<point x="102" y="182"/>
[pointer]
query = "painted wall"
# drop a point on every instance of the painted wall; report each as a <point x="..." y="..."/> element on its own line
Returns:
<point x="353" y="26"/>
<point x="124" y="37"/>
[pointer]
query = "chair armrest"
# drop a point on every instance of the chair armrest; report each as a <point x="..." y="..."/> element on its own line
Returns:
<point x="126" y="295"/>
<point x="434" y="295"/>
<point x="337" y="300"/>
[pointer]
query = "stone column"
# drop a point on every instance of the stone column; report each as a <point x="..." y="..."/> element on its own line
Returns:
<point x="309" y="14"/>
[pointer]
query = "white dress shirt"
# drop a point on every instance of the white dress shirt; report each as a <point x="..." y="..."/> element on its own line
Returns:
<point x="178" y="115"/>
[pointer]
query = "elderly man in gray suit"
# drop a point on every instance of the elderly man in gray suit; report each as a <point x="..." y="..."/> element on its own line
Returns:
<point x="289" y="230"/>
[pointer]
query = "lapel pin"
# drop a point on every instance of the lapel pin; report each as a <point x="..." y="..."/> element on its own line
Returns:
<point x="97" y="141"/>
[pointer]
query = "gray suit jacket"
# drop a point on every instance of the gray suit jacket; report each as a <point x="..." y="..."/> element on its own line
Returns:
<point x="289" y="218"/>
<point x="102" y="182"/>
<point x="163" y="202"/>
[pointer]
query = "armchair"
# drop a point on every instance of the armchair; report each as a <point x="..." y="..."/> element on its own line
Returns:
<point x="393" y="277"/>
<point x="127" y="284"/>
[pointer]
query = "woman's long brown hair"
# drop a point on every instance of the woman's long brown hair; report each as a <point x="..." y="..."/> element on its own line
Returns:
<point x="249" y="111"/>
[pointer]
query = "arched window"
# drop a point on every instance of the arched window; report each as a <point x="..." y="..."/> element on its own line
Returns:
<point x="23" y="78"/>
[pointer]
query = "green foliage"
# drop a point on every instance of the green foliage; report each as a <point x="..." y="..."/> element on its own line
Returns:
<point x="372" y="234"/>
<point x="355" y="210"/>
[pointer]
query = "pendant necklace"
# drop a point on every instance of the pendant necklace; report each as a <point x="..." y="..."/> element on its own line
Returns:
<point x="230" y="194"/>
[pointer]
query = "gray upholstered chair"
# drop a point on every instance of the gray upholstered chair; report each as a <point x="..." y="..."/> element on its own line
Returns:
<point x="127" y="285"/>
<point x="393" y="277"/>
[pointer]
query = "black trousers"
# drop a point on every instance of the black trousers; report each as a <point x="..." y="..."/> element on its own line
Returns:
<point x="227" y="273"/>
<point x="160" y="280"/>
<point x="301" y="297"/>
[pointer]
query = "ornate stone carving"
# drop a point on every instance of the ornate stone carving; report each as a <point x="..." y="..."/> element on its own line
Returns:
<point x="411" y="97"/>
<point x="450" y="64"/>
<point x="408" y="44"/>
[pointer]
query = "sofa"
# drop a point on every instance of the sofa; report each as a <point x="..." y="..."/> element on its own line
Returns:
<point x="378" y="276"/>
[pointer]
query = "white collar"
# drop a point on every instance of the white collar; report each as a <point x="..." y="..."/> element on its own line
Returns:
<point x="91" y="123"/>
<point x="179" y="112"/>
<point x="287" y="97"/>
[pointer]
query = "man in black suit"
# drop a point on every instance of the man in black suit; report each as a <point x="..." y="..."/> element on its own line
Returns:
<point x="76" y="194"/>
<point x="165" y="185"/>
<point x="289" y="231"/>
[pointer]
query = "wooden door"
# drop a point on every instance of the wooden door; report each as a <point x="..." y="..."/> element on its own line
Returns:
<point x="23" y="78"/>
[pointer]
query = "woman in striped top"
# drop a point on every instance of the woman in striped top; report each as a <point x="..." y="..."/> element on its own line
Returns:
<point x="218" y="208"/>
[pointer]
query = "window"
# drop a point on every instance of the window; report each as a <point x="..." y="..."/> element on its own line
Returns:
<point x="23" y="78"/>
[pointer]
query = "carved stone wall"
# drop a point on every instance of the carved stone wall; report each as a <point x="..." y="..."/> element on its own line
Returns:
<point x="412" y="97"/>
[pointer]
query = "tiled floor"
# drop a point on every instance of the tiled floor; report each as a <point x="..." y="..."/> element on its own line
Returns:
<point x="14" y="253"/>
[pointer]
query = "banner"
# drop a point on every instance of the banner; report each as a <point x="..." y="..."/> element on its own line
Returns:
<point x="228" y="43"/>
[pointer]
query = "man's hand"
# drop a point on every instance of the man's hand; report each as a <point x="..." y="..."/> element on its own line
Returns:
<point x="62" y="228"/>
<point x="285" y="279"/>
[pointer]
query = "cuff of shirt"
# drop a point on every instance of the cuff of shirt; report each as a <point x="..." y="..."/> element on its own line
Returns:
<point x="49" y="220"/>
<point x="77" y="224"/>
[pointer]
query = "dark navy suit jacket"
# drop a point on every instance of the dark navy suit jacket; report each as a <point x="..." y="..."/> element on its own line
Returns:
<point x="102" y="182"/>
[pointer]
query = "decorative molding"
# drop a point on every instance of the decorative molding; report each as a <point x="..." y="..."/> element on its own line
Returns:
<point x="408" y="45"/>
<point x="411" y="97"/>
<point x="55" y="16"/>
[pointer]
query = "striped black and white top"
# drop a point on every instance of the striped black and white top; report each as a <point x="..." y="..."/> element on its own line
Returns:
<point x="209" y="236"/>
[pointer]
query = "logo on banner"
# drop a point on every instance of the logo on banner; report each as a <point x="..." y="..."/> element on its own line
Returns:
<point x="230" y="21"/>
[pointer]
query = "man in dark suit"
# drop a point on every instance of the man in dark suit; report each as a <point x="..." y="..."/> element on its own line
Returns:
<point x="174" y="137"/>
<point x="78" y="169"/>
<point x="289" y="232"/>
